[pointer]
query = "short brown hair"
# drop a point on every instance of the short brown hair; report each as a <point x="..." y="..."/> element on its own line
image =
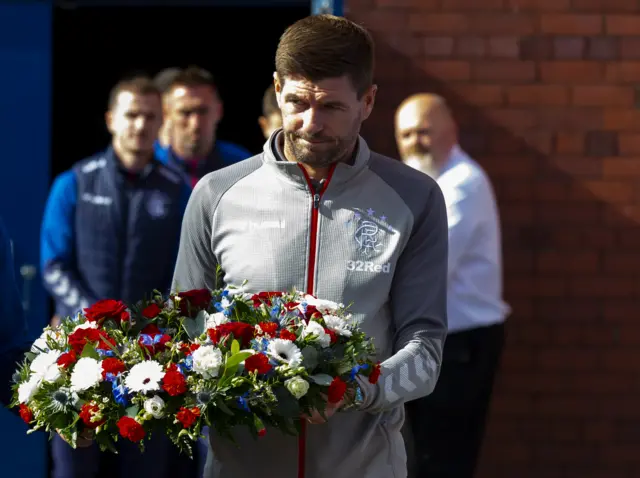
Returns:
<point x="270" y="102"/>
<point x="325" y="46"/>
<point x="138" y="85"/>
<point x="165" y="78"/>
<point x="192" y="76"/>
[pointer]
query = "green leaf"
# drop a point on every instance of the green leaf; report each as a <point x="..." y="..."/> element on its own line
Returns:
<point x="223" y="406"/>
<point x="235" y="347"/>
<point x="132" y="411"/>
<point x="321" y="379"/>
<point x="195" y="327"/>
<point x="105" y="443"/>
<point x="90" y="351"/>
<point x="310" y="358"/>
<point x="30" y="356"/>
<point x="231" y="366"/>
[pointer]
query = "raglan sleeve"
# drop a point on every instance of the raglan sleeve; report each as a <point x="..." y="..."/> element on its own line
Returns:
<point x="419" y="310"/>
<point x="57" y="248"/>
<point x="196" y="265"/>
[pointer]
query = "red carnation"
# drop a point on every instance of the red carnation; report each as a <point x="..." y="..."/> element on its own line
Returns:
<point x="337" y="390"/>
<point x="67" y="359"/>
<point x="113" y="366"/>
<point x="188" y="349"/>
<point x="25" y="413"/>
<point x="107" y="309"/>
<point x="174" y="382"/>
<point x="156" y="340"/>
<point x="79" y="338"/>
<point x="264" y="298"/>
<point x="269" y="328"/>
<point x="291" y="306"/>
<point x="151" y="311"/>
<point x="375" y="374"/>
<point x="258" y="363"/>
<point x="193" y="301"/>
<point x="188" y="416"/>
<point x="88" y="414"/>
<point x="242" y="332"/>
<point x="332" y="334"/>
<point x="262" y="432"/>
<point x="130" y="429"/>
<point x="287" y="335"/>
<point x="312" y="312"/>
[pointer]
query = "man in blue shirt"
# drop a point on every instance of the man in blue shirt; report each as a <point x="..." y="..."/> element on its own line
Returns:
<point x="111" y="230"/>
<point x="13" y="337"/>
<point x="192" y="111"/>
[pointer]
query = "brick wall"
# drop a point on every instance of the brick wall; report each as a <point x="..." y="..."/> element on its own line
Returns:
<point x="545" y="93"/>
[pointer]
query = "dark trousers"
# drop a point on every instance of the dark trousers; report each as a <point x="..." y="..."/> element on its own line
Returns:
<point x="161" y="459"/>
<point x="446" y="428"/>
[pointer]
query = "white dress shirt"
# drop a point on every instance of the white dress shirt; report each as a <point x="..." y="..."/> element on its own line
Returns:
<point x="475" y="254"/>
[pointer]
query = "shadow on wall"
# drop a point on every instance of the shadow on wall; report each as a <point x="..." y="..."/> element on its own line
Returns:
<point x="567" y="398"/>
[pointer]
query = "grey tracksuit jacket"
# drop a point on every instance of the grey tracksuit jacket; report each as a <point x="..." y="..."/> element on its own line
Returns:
<point x="375" y="235"/>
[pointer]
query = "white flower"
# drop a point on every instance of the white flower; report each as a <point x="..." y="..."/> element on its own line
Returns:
<point x="154" y="406"/>
<point x="297" y="386"/>
<point x="144" y="377"/>
<point x="285" y="351"/>
<point x="321" y="337"/>
<point x="337" y="325"/>
<point x="86" y="325"/>
<point x="40" y="344"/>
<point x="87" y="373"/>
<point x="207" y="361"/>
<point x="45" y="366"/>
<point x="27" y="389"/>
<point x="323" y="306"/>
<point x="213" y="320"/>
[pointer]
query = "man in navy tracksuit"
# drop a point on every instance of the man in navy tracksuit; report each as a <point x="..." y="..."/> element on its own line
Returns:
<point x="192" y="111"/>
<point x="111" y="230"/>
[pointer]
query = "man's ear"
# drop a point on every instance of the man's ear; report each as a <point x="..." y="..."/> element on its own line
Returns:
<point x="108" y="120"/>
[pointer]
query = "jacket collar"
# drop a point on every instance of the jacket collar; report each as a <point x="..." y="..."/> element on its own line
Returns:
<point x="273" y="158"/>
<point x="115" y="166"/>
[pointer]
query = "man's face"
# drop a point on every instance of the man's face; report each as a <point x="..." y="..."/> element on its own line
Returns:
<point x="193" y="114"/>
<point x="268" y="124"/>
<point x="134" y="122"/>
<point x="322" y="120"/>
<point x="424" y="139"/>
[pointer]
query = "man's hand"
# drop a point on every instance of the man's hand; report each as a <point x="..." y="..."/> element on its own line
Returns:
<point x="55" y="321"/>
<point x="331" y="408"/>
<point x="85" y="439"/>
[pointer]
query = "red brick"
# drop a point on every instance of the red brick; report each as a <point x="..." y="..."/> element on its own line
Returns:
<point x="503" y="23"/>
<point x="508" y="166"/>
<point x="609" y="191"/>
<point x="622" y="24"/>
<point x="580" y="262"/>
<point x="539" y="141"/>
<point x="571" y="72"/>
<point x="470" y="47"/>
<point x="629" y="144"/>
<point x="541" y="5"/>
<point x="569" y="143"/>
<point x="606" y="6"/>
<point x="601" y="144"/>
<point x="622" y="215"/>
<point x="423" y="4"/>
<point x="569" y="119"/>
<point x="621" y="119"/>
<point x="576" y="166"/>
<point x="444" y="23"/>
<point x="438" y="46"/>
<point x="602" y="48"/>
<point x="569" y="48"/>
<point x="603" y="95"/>
<point x="504" y="47"/>
<point x="570" y="24"/>
<point x="514" y="119"/>
<point x="446" y="70"/>
<point x="617" y="262"/>
<point x="517" y="71"/>
<point x="470" y="5"/>
<point x="479" y="94"/>
<point x="623" y="72"/>
<point x="621" y="167"/>
<point x="536" y="48"/>
<point x="384" y="20"/>
<point x="574" y="214"/>
<point x="544" y="95"/>
<point x="406" y="44"/>
<point x="550" y="191"/>
<point x="603" y="287"/>
<point x="630" y="48"/>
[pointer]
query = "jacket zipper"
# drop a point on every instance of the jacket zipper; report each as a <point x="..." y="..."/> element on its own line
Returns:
<point x="313" y="230"/>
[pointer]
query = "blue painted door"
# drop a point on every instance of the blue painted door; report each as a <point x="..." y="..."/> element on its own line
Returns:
<point x="25" y="83"/>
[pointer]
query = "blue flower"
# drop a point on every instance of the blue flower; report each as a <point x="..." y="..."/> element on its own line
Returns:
<point x="106" y="353"/>
<point x="259" y="345"/>
<point x="218" y="306"/>
<point x="243" y="404"/>
<point x="149" y="340"/>
<point x="186" y="365"/>
<point x="120" y="393"/>
<point x="356" y="370"/>
<point x="225" y="293"/>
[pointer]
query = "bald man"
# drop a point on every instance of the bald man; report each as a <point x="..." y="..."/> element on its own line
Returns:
<point x="447" y="427"/>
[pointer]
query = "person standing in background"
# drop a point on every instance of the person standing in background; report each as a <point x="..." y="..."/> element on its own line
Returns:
<point x="192" y="110"/>
<point x="271" y="118"/>
<point x="163" y="82"/>
<point x="448" y="426"/>
<point x="111" y="231"/>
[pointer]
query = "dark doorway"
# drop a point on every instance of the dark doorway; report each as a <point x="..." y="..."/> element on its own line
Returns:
<point x="94" y="47"/>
